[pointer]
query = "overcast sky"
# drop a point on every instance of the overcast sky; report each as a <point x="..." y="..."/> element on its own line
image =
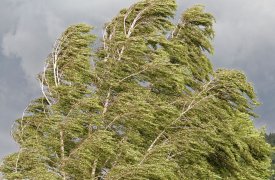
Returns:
<point x="244" y="40"/>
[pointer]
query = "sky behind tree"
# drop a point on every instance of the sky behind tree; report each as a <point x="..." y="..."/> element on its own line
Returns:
<point x="244" y="40"/>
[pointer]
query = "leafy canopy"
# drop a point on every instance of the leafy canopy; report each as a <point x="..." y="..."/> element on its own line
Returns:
<point x="148" y="106"/>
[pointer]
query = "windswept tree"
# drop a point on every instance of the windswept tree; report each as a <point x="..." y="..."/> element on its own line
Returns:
<point x="148" y="106"/>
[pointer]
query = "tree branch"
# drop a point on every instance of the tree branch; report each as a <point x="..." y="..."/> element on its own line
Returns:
<point x="62" y="149"/>
<point x="106" y="104"/>
<point x="131" y="29"/>
<point x="184" y="111"/>
<point x="151" y="147"/>
<point x="93" y="177"/>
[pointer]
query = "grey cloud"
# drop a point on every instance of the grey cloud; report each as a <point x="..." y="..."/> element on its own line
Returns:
<point x="40" y="23"/>
<point x="15" y="92"/>
<point x="7" y="16"/>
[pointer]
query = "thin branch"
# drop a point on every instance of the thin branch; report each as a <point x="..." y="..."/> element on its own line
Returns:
<point x="151" y="147"/>
<point x="104" y="34"/>
<point x="105" y="38"/>
<point x="121" y="52"/>
<point x="134" y="74"/>
<point x="176" y="27"/>
<point x="181" y="25"/>
<point x="55" y="55"/>
<point x="184" y="111"/>
<point x="54" y="59"/>
<point x="131" y="29"/>
<point x="138" y="17"/>
<point x="42" y="83"/>
<point x="21" y="122"/>
<point x="62" y="149"/>
<point x="106" y="104"/>
<point x="141" y="71"/>
<point x="17" y="160"/>
<point x="111" y="123"/>
<point x="94" y="169"/>
<point x="125" y="17"/>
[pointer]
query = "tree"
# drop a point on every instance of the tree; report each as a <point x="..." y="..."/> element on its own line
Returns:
<point x="149" y="106"/>
<point x="270" y="138"/>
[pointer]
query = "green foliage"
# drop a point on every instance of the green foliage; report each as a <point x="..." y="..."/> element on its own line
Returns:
<point x="152" y="107"/>
<point x="270" y="138"/>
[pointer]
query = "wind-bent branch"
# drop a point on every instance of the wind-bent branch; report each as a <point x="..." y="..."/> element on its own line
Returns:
<point x="192" y="104"/>
<point x="131" y="29"/>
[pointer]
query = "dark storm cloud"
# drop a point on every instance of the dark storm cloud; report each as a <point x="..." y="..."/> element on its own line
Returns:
<point x="40" y="23"/>
<point x="244" y="40"/>
<point x="15" y="92"/>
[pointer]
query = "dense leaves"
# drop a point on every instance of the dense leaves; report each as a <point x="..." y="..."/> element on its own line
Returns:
<point x="148" y="106"/>
<point x="270" y="138"/>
